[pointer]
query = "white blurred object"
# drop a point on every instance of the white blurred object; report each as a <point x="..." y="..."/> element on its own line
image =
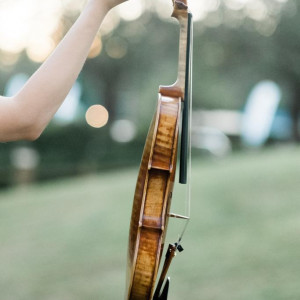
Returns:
<point x="259" y="113"/>
<point x="226" y="121"/>
<point x="123" y="131"/>
<point x="131" y="10"/>
<point x="15" y="84"/>
<point x="212" y="140"/>
<point x="24" y="158"/>
<point x="67" y="111"/>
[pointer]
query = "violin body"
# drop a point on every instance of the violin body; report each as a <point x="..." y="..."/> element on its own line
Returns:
<point x="153" y="193"/>
<point x="152" y="200"/>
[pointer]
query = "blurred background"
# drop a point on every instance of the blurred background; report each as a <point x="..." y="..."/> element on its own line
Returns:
<point x="65" y="199"/>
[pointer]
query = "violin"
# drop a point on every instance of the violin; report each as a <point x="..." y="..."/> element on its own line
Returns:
<point x="154" y="187"/>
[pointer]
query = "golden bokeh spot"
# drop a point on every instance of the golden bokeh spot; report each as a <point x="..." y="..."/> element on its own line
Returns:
<point x="97" y="116"/>
<point x="95" y="48"/>
<point x="8" y="59"/>
<point x="39" y="50"/>
<point x="116" y="48"/>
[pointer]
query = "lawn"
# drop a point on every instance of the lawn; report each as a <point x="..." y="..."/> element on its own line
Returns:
<point x="67" y="240"/>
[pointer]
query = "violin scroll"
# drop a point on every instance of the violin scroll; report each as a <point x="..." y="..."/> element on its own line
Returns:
<point x="180" y="8"/>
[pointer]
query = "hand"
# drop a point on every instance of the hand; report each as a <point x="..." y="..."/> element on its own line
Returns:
<point x="113" y="3"/>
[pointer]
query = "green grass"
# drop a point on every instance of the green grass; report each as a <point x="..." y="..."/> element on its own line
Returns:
<point x="67" y="240"/>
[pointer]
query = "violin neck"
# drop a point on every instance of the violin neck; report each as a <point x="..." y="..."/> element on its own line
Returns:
<point x="182" y="15"/>
<point x="185" y="127"/>
<point x="182" y="87"/>
<point x="181" y="77"/>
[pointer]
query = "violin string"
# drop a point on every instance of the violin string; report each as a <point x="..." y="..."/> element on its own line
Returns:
<point x="188" y="194"/>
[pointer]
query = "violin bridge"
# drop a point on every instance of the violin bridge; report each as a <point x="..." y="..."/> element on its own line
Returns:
<point x="171" y="215"/>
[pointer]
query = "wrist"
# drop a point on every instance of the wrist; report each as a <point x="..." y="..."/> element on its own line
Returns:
<point x="106" y="5"/>
<point x="97" y="7"/>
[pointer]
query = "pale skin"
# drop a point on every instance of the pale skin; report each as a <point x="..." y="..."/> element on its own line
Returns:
<point x="25" y="115"/>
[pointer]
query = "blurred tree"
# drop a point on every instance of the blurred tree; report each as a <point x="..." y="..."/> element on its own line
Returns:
<point x="248" y="44"/>
<point x="237" y="44"/>
<point x="134" y="61"/>
<point x="286" y="48"/>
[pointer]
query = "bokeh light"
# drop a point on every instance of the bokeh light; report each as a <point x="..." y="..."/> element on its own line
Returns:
<point x="97" y="116"/>
<point x="39" y="49"/>
<point x="123" y="131"/>
<point x="116" y="47"/>
<point x="21" y="22"/>
<point x="131" y="10"/>
<point x="35" y="26"/>
<point x="96" y="47"/>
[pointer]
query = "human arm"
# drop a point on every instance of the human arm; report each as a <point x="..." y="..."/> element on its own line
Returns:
<point x="25" y="115"/>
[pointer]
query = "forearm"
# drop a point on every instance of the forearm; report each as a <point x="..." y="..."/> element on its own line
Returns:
<point x="47" y="88"/>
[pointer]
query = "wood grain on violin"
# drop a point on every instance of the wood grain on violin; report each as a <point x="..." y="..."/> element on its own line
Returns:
<point x="152" y="200"/>
<point x="180" y="12"/>
<point x="153" y="193"/>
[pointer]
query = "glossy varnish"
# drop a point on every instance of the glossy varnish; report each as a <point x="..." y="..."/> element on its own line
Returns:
<point x="155" y="182"/>
<point x="152" y="200"/>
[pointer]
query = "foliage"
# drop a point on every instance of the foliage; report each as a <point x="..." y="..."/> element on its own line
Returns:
<point x="230" y="57"/>
<point x="72" y="150"/>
